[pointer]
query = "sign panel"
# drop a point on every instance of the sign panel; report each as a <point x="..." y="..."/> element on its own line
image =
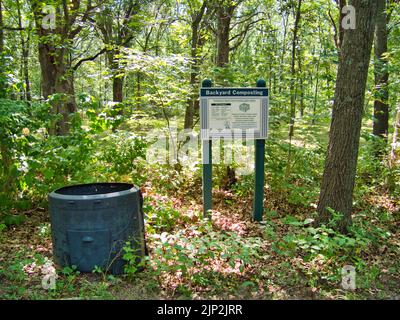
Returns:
<point x="234" y="113"/>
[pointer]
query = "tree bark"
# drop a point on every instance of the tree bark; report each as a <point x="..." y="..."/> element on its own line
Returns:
<point x="57" y="75"/>
<point x="293" y="70"/>
<point x="381" y="106"/>
<point x="57" y="78"/>
<point x="223" y="30"/>
<point x="394" y="149"/>
<point x="24" y="54"/>
<point x="1" y="28"/>
<point x="224" y="17"/>
<point x="316" y="93"/>
<point x="341" y="161"/>
<point x="300" y="65"/>
<point x="2" y="83"/>
<point x="285" y="21"/>
<point x="193" y="102"/>
<point x="117" y="76"/>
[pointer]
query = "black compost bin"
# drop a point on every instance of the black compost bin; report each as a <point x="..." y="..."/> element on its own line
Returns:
<point x="91" y="224"/>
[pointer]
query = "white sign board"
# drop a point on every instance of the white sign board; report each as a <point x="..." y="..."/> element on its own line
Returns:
<point x="234" y="113"/>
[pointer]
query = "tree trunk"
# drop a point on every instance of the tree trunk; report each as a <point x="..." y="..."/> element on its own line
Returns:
<point x="224" y="16"/>
<point x="193" y="103"/>
<point x="67" y="105"/>
<point x="301" y="86"/>
<point x="223" y="30"/>
<point x="381" y="107"/>
<point x="316" y="93"/>
<point x="57" y="75"/>
<point x="189" y="113"/>
<point x="293" y="70"/>
<point x="341" y="161"/>
<point x="282" y="58"/>
<point x="394" y="149"/>
<point x="118" y="83"/>
<point x="57" y="78"/>
<point x="25" y="61"/>
<point x="2" y="83"/>
<point x="1" y="28"/>
<point x="24" y="54"/>
<point x="117" y="76"/>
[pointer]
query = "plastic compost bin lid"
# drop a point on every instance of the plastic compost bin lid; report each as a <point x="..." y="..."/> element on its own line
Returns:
<point x="93" y="191"/>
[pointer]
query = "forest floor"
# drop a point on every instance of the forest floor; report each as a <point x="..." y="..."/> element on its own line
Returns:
<point x="230" y="256"/>
<point x="276" y="271"/>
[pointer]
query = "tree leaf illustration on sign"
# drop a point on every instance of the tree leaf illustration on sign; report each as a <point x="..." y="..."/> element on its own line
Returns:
<point x="244" y="107"/>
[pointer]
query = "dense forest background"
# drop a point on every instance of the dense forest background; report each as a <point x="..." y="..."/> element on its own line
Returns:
<point x="88" y="87"/>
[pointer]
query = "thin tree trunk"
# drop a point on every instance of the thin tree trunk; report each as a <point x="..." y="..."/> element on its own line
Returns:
<point x="316" y="93"/>
<point x="381" y="106"/>
<point x="299" y="62"/>
<point x="2" y="83"/>
<point x="1" y="28"/>
<point x="224" y="16"/>
<point x="394" y="149"/>
<point x="193" y="102"/>
<point x="24" y="54"/>
<point x="281" y="65"/>
<point x="293" y="70"/>
<point x="341" y="161"/>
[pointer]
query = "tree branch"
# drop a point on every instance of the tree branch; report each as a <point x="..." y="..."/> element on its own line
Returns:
<point x="77" y="65"/>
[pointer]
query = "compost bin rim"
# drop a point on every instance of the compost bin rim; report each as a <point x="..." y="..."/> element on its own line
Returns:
<point x="57" y="195"/>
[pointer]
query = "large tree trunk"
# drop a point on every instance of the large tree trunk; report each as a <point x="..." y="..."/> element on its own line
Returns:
<point x="67" y="105"/>
<point x="57" y="75"/>
<point x="223" y="30"/>
<point x="341" y="161"/>
<point x="381" y="107"/>
<point x="57" y="78"/>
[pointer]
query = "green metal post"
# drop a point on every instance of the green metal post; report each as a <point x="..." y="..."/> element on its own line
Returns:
<point x="207" y="168"/>
<point x="207" y="177"/>
<point x="259" y="172"/>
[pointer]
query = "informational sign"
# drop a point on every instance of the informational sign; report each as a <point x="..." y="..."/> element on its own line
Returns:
<point x="234" y="113"/>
